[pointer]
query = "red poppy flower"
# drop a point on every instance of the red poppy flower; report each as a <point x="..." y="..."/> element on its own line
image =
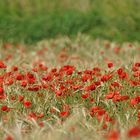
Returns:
<point x="59" y="92"/>
<point x="119" y="71"/>
<point x="64" y="114"/>
<point x="86" y="95"/>
<point x="9" y="137"/>
<point x="110" y="95"/>
<point x="4" y="108"/>
<point x="113" y="135"/>
<point x="1" y="90"/>
<point x="105" y="78"/>
<point x="15" y="68"/>
<point x="41" y="124"/>
<point x="19" y="76"/>
<point x="23" y="83"/>
<point x="135" y="69"/>
<point x="137" y="64"/>
<point x="134" y="132"/>
<point x="2" y="65"/>
<point x="110" y="65"/>
<point x="134" y="101"/>
<point x="20" y="98"/>
<point x="90" y="87"/>
<point x="97" y="83"/>
<point x="27" y="104"/>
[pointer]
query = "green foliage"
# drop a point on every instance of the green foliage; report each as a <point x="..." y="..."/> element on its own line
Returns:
<point x="31" y="21"/>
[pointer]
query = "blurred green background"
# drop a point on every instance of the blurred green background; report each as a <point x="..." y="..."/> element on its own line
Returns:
<point x="33" y="20"/>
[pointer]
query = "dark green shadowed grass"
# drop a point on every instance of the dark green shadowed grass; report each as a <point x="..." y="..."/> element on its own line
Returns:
<point x="31" y="21"/>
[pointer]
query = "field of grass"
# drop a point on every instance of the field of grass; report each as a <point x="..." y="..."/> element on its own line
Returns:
<point x="70" y="89"/>
<point x="31" y="20"/>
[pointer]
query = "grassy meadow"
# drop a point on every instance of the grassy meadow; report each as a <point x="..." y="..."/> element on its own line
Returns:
<point x="59" y="90"/>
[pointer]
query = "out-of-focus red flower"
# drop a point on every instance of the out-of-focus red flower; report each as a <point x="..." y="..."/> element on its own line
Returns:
<point x="59" y="92"/>
<point x="41" y="124"/>
<point x="4" y="108"/>
<point x="105" y="126"/>
<point x="9" y="81"/>
<point x="40" y="116"/>
<point x="117" y="49"/>
<point x="32" y="115"/>
<point x="110" y="65"/>
<point x="20" y="98"/>
<point x="2" y="65"/>
<point x="137" y="64"/>
<point x="7" y="46"/>
<point x="23" y="83"/>
<point x="135" y="69"/>
<point x="113" y="135"/>
<point x="9" y="137"/>
<point x="19" y="76"/>
<point x="1" y="90"/>
<point x="15" y="68"/>
<point x="134" y="132"/>
<point x="123" y="75"/>
<point x="119" y="71"/>
<point x="27" y="104"/>
<point x="64" y="114"/>
<point x="110" y="95"/>
<point x="97" y="83"/>
<point x="105" y="78"/>
<point x="134" y="101"/>
<point x="86" y="95"/>
<point x="90" y="87"/>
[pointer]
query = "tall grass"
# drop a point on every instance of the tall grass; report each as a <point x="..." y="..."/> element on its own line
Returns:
<point x="33" y="20"/>
<point x="43" y="88"/>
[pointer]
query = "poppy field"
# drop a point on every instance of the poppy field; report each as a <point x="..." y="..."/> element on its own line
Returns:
<point x="70" y="89"/>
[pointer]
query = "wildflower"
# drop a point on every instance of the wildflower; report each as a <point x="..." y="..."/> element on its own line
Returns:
<point x="64" y="114"/>
<point x="86" y="95"/>
<point x="113" y="135"/>
<point x="9" y="137"/>
<point x="23" y="83"/>
<point x="9" y="81"/>
<point x="115" y="84"/>
<point x="41" y="124"/>
<point x="27" y="104"/>
<point x="137" y="64"/>
<point x="110" y="95"/>
<point x="1" y="90"/>
<point x="97" y="83"/>
<point x="119" y="71"/>
<point x="7" y="46"/>
<point x="15" y="68"/>
<point x="134" y="132"/>
<point x="135" y="69"/>
<point x="105" y="78"/>
<point x="20" y="98"/>
<point x="105" y="126"/>
<point x="4" y="108"/>
<point x="110" y="65"/>
<point x="2" y="65"/>
<point x="32" y="115"/>
<point x="19" y="76"/>
<point x="134" y="101"/>
<point x="59" y="92"/>
<point x="90" y="87"/>
<point x="123" y="75"/>
<point x="76" y="87"/>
